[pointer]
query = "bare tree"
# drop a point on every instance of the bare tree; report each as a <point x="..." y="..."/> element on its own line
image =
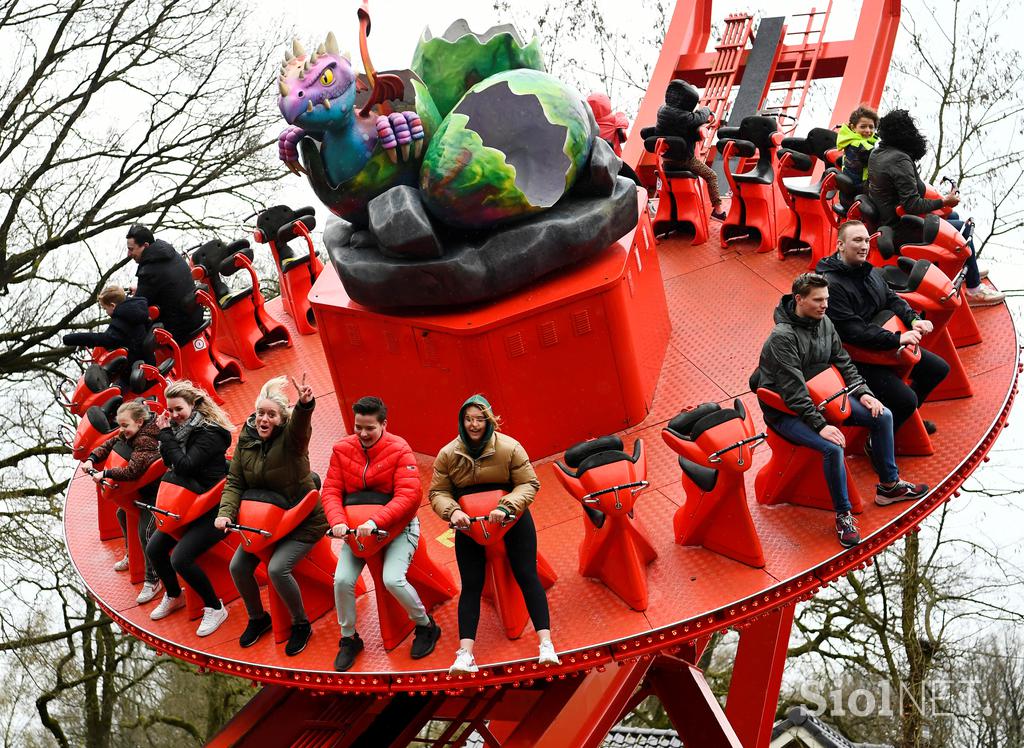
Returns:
<point x="111" y="112"/>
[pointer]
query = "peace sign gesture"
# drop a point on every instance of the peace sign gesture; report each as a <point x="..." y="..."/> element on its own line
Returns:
<point x="305" y="391"/>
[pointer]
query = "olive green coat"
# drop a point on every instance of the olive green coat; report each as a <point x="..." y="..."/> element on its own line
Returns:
<point x="279" y="463"/>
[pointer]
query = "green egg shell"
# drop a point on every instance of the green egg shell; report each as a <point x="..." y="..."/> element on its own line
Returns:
<point x="469" y="183"/>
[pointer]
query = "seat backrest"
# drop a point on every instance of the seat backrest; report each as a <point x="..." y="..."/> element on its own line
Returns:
<point x="682" y="425"/>
<point x="577" y="453"/>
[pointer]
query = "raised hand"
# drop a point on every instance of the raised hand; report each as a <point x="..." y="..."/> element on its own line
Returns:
<point x="163" y="420"/>
<point x="305" y="391"/>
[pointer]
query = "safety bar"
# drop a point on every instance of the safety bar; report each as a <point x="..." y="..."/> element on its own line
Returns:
<point x="716" y="457"/>
<point x="635" y="488"/>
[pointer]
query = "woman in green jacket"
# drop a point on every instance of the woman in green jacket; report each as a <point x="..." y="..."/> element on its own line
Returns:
<point x="273" y="454"/>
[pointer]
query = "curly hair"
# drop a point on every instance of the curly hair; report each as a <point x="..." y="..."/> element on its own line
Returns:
<point x="898" y="130"/>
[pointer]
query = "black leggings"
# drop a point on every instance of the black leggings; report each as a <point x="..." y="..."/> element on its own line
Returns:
<point x="894" y="393"/>
<point x="169" y="555"/>
<point x="521" y="544"/>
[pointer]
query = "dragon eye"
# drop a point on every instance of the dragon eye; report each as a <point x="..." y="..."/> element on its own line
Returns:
<point x="327" y="77"/>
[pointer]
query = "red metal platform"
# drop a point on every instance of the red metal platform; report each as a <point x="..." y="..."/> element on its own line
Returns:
<point x="720" y="302"/>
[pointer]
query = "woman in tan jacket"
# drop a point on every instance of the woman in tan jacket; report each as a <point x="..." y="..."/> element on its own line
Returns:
<point x="482" y="458"/>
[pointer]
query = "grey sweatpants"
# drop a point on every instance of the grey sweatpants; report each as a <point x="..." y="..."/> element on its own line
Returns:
<point x="286" y="554"/>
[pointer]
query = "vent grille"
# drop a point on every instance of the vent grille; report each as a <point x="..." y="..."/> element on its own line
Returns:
<point x="515" y="345"/>
<point x="548" y="333"/>
<point x="355" y="338"/>
<point x="581" y="322"/>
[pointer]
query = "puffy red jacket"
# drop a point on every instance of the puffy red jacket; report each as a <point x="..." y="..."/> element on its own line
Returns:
<point x="389" y="466"/>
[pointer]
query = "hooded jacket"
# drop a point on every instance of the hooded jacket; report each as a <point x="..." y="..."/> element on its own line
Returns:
<point x="279" y="463"/>
<point x="201" y="460"/>
<point x="893" y="181"/>
<point x="388" y="467"/>
<point x="678" y="118"/>
<point x="856" y="295"/>
<point x="796" y="349"/>
<point x="165" y="281"/>
<point x="856" y="149"/>
<point x="128" y="328"/>
<point x="501" y="461"/>
<point x="611" y="125"/>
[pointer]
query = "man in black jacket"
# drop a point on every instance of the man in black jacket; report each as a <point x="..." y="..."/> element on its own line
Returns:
<point x="802" y="343"/>
<point x="858" y="294"/>
<point x="165" y="280"/>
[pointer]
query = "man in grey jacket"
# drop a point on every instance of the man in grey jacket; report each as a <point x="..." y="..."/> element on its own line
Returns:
<point x="803" y="343"/>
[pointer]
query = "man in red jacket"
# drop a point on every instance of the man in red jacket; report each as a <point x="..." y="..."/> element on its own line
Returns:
<point x="373" y="468"/>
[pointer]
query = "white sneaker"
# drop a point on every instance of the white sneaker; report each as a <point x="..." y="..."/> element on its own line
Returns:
<point x="122" y="565"/>
<point x="547" y="654"/>
<point x="464" y="663"/>
<point x="985" y="296"/>
<point x="149" y="590"/>
<point x="212" y="619"/>
<point x="167" y="606"/>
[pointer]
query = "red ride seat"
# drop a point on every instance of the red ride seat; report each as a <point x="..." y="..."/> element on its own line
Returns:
<point x="247" y="326"/>
<point x="927" y="289"/>
<point x="795" y="474"/>
<point x="683" y="200"/>
<point x="264" y="518"/>
<point x="500" y="586"/>
<point x="277" y="226"/>
<point x="911" y="438"/>
<point x="199" y="361"/>
<point x="97" y="385"/>
<point x="178" y="505"/>
<point x="124" y="495"/>
<point x="756" y="197"/>
<point x="809" y="224"/>
<point x="432" y="582"/>
<point x="606" y="481"/>
<point x="715" y="447"/>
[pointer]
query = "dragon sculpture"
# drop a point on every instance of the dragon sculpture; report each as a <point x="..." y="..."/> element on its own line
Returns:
<point x="474" y="137"/>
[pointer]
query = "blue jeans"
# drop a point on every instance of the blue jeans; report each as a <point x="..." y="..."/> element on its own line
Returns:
<point x="795" y="430"/>
<point x="973" y="277"/>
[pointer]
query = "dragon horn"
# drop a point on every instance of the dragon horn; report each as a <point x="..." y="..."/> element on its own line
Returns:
<point x="313" y="59"/>
<point x="331" y="43"/>
<point x="321" y="50"/>
<point x="282" y="87"/>
<point x="364" y="51"/>
<point x="288" y="57"/>
<point x="297" y="49"/>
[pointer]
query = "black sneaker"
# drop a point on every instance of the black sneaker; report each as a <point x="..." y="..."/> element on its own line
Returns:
<point x="902" y="490"/>
<point x="348" y="648"/>
<point x="930" y="427"/>
<point x="425" y="640"/>
<point x="298" y="639"/>
<point x="846" y="529"/>
<point x="256" y="628"/>
<point x="718" y="215"/>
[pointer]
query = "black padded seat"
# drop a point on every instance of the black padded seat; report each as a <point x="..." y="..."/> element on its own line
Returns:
<point x="797" y="160"/>
<point x="228" y="301"/>
<point x="265" y="496"/>
<point x="907" y="275"/>
<point x="290" y="263"/>
<point x="101" y="417"/>
<point x="885" y="242"/>
<point x="577" y="453"/>
<point x="98" y="377"/>
<point x="809" y="191"/>
<point x="682" y="424"/>
<point x="199" y="330"/>
<point x="680" y="174"/>
<point x="916" y="230"/>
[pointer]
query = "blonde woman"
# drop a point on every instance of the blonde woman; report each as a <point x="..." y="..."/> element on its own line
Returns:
<point x="194" y="437"/>
<point x="481" y="456"/>
<point x="273" y="454"/>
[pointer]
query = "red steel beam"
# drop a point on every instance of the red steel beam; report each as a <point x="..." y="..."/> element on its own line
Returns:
<point x="688" y="32"/>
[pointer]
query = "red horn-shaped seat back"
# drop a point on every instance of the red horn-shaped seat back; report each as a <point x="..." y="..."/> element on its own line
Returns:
<point x="261" y="510"/>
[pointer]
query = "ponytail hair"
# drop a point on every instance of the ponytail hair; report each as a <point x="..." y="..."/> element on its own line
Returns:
<point x="273" y="390"/>
<point x="199" y="399"/>
<point x="135" y="409"/>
